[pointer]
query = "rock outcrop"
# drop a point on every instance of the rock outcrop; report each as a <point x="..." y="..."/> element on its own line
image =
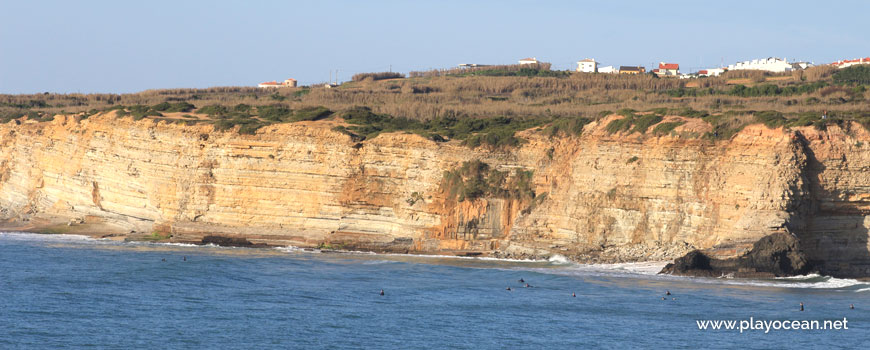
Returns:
<point x="599" y="197"/>
<point x="776" y="255"/>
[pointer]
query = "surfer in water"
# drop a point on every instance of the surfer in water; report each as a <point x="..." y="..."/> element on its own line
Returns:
<point x="185" y="258"/>
<point x="522" y="280"/>
<point x="573" y="295"/>
<point x="382" y="292"/>
<point x="528" y="285"/>
<point x="508" y="289"/>
<point x="802" y="306"/>
<point x="668" y="292"/>
<point x="852" y="306"/>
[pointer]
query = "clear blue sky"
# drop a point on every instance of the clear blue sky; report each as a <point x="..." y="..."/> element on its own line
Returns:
<point x="128" y="46"/>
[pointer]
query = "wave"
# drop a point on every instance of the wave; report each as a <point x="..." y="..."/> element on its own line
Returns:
<point x="29" y="236"/>
<point x="557" y="259"/>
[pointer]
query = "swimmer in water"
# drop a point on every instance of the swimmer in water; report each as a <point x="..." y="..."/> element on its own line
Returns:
<point x="528" y="286"/>
<point x="185" y="258"/>
<point x="852" y="306"/>
<point x="663" y="298"/>
<point x="573" y="295"/>
<point x="164" y="259"/>
<point x="508" y="289"/>
<point x="522" y="280"/>
<point x="802" y="306"/>
<point x="667" y="292"/>
<point x="382" y="292"/>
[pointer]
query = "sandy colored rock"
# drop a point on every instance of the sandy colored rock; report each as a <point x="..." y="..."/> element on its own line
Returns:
<point x="601" y="197"/>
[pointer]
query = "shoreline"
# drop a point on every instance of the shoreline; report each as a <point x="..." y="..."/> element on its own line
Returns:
<point x="586" y="266"/>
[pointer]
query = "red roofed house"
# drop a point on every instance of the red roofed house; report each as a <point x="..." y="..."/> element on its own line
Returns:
<point x="848" y="63"/>
<point x="667" y="69"/>
<point x="274" y="84"/>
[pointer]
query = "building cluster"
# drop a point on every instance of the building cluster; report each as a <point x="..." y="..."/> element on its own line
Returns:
<point x="589" y="65"/>
<point x="770" y="64"/>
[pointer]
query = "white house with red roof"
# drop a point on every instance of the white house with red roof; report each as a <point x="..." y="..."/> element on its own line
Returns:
<point x="667" y="69"/>
<point x="849" y="63"/>
<point x="274" y="84"/>
<point x="711" y="72"/>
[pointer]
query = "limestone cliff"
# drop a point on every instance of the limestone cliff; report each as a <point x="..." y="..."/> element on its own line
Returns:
<point x="600" y="197"/>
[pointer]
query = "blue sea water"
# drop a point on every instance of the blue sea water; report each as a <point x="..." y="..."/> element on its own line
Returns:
<point x="60" y="292"/>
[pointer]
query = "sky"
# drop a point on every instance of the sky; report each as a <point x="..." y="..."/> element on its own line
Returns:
<point x="129" y="46"/>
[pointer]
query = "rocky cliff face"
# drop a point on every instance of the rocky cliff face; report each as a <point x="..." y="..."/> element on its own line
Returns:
<point x="599" y="197"/>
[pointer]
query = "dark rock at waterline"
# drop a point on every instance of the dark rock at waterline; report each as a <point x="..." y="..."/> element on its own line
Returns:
<point x="231" y="242"/>
<point x="775" y="255"/>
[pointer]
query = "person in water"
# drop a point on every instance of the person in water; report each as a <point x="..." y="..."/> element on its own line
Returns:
<point x="852" y="306"/>
<point x="508" y="289"/>
<point x="663" y="298"/>
<point x="802" y="306"/>
<point x="185" y="258"/>
<point x="528" y="286"/>
<point x="522" y="280"/>
<point x="668" y="292"/>
<point x="382" y="292"/>
<point x="573" y="295"/>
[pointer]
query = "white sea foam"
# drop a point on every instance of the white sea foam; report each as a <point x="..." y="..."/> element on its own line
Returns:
<point x="559" y="260"/>
<point x="27" y="236"/>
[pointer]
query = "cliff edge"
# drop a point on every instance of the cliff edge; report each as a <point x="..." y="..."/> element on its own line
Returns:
<point x="594" y="198"/>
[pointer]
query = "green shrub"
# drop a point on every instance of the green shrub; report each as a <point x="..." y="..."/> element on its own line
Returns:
<point x="666" y="128"/>
<point x="618" y="125"/>
<point x="568" y="126"/>
<point x="857" y="74"/>
<point x="642" y="123"/>
<point x="475" y="179"/>
<point x="213" y="110"/>
<point x="771" y="119"/>
<point x="173" y="107"/>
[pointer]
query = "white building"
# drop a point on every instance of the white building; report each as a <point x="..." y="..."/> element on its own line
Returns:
<point x="608" y="70"/>
<point x="269" y="84"/>
<point x="770" y="64"/>
<point x="667" y="69"/>
<point x="801" y="65"/>
<point x="274" y="84"/>
<point x="530" y="60"/>
<point x="587" y="66"/>
<point x="711" y="72"/>
<point x="849" y="63"/>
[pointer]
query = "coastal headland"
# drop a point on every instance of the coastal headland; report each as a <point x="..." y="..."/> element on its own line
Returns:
<point x="629" y="185"/>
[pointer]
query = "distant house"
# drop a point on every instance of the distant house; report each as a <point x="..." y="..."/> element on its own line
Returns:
<point x="607" y="70"/>
<point x="274" y="84"/>
<point x="531" y="60"/>
<point x="711" y="72"/>
<point x="770" y="64"/>
<point x="587" y="66"/>
<point x="802" y="65"/>
<point x="269" y="84"/>
<point x="849" y="63"/>
<point x="667" y="69"/>
<point x="472" y="65"/>
<point x="631" y="70"/>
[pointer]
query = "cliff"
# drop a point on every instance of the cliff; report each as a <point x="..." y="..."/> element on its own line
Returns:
<point x="598" y="197"/>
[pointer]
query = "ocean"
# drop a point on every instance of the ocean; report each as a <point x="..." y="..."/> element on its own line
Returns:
<point x="74" y="292"/>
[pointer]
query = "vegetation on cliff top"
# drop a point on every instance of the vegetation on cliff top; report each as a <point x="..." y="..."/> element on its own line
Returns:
<point x="488" y="105"/>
